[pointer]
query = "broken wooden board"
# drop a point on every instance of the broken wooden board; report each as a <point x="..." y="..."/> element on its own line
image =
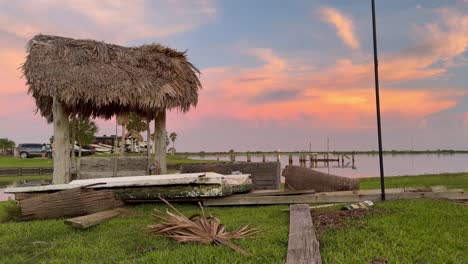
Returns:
<point x="68" y="203"/>
<point x="83" y="222"/>
<point x="301" y="178"/>
<point x="276" y="192"/>
<point x="265" y="175"/>
<point x="303" y="244"/>
<point x="336" y="197"/>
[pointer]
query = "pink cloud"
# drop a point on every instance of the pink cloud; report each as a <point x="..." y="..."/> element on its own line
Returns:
<point x="116" y="21"/>
<point x="341" y="96"/>
<point x="343" y="24"/>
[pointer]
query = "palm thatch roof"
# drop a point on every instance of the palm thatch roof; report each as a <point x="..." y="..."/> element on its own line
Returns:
<point x="96" y="79"/>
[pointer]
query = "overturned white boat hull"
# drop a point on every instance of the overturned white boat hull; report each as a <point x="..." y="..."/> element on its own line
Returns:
<point x="190" y="185"/>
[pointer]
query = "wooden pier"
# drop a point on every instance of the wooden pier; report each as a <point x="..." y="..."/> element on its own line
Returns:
<point x="305" y="159"/>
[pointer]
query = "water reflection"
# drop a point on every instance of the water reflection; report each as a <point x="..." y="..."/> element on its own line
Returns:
<point x="368" y="165"/>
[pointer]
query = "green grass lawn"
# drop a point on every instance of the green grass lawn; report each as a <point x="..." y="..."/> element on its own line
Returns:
<point x="409" y="231"/>
<point x="10" y="161"/>
<point x="452" y="181"/>
<point x="412" y="231"/>
<point x="121" y="240"/>
<point x="404" y="231"/>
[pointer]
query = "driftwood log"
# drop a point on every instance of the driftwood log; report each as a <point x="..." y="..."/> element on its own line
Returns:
<point x="300" y="178"/>
<point x="68" y="203"/>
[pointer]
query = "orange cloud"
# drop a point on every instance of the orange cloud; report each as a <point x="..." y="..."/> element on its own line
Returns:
<point x="343" y="25"/>
<point x="10" y="75"/>
<point x="275" y="91"/>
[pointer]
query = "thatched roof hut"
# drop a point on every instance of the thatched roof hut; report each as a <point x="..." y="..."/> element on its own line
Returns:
<point x="96" y="79"/>
<point x="86" y="78"/>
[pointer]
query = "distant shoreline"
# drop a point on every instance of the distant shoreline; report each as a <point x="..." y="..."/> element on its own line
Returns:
<point x="347" y="152"/>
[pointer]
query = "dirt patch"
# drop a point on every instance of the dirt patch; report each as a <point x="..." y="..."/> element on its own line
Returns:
<point x="336" y="219"/>
<point x="378" y="260"/>
<point x="458" y="202"/>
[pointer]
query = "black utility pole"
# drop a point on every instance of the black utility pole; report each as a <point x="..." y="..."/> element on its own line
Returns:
<point x="377" y="102"/>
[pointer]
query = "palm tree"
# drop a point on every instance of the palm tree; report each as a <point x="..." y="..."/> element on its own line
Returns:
<point x="173" y="137"/>
<point x="85" y="130"/>
<point x="6" y="144"/>
<point x="135" y="125"/>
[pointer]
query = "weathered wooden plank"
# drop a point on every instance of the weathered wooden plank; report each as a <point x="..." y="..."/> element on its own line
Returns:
<point x="96" y="164"/>
<point x="335" y="197"/>
<point x="87" y="221"/>
<point x="131" y="173"/>
<point x="301" y="178"/>
<point x="274" y="193"/>
<point x="303" y="244"/>
<point x="131" y="163"/>
<point x="94" y="174"/>
<point x="265" y="175"/>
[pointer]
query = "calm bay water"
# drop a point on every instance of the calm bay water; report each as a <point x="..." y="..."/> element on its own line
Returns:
<point x="368" y="165"/>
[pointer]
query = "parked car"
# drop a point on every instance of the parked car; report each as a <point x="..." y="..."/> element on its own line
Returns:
<point x="31" y="150"/>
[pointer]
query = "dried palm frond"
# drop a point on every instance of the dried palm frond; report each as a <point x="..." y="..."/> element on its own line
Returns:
<point x="197" y="229"/>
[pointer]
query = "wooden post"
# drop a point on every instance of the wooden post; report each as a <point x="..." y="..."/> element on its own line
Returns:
<point x="122" y="138"/>
<point x="73" y="130"/>
<point x="277" y="156"/>
<point x="160" y="142"/>
<point x="263" y="158"/>
<point x="290" y="159"/>
<point x="61" y="144"/>
<point x="148" y="145"/>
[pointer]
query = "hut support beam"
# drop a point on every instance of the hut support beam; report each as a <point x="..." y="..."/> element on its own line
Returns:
<point x="61" y="144"/>
<point x="160" y="142"/>
<point x="148" y="143"/>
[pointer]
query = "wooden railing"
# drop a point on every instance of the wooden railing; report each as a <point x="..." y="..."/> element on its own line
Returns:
<point x="23" y="171"/>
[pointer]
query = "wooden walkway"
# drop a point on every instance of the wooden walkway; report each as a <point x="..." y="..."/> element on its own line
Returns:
<point x="339" y="197"/>
<point x="303" y="244"/>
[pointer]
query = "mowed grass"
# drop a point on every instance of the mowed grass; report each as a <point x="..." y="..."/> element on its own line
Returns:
<point x="406" y="231"/>
<point x="10" y="161"/>
<point x="410" y="231"/>
<point x="451" y="180"/>
<point x="123" y="240"/>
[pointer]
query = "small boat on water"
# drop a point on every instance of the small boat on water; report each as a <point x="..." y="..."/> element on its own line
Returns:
<point x="151" y="187"/>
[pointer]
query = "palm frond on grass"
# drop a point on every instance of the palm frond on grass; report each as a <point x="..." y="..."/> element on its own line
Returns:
<point x="198" y="228"/>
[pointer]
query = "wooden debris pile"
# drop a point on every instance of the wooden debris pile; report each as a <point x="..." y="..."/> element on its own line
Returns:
<point x="300" y="178"/>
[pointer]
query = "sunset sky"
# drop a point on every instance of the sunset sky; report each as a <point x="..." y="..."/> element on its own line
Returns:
<point x="275" y="74"/>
